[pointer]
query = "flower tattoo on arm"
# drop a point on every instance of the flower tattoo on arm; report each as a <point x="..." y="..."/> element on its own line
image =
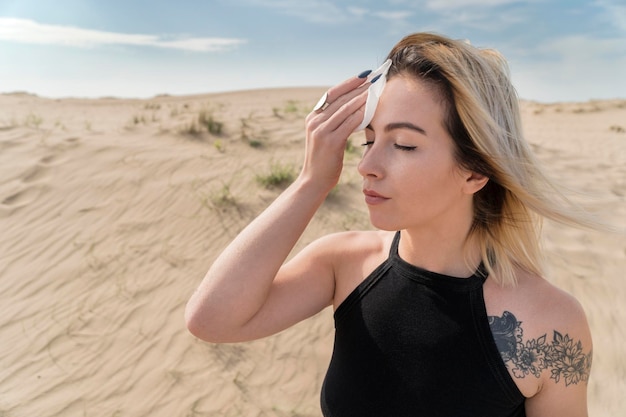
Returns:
<point x="562" y="355"/>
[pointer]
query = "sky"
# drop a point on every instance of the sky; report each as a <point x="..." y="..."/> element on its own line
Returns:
<point x="558" y="50"/>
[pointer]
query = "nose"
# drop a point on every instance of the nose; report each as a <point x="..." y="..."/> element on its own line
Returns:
<point x="371" y="165"/>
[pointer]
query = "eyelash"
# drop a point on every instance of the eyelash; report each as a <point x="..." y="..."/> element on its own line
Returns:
<point x="399" y="147"/>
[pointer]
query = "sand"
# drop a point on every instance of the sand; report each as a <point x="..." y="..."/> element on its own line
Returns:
<point x="112" y="210"/>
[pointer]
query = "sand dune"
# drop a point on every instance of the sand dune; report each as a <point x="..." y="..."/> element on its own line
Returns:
<point x="112" y="210"/>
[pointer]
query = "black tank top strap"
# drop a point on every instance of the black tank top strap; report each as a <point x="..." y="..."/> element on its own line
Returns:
<point x="477" y="278"/>
<point x="393" y="250"/>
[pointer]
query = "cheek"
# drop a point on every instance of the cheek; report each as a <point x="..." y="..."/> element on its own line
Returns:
<point x="430" y="179"/>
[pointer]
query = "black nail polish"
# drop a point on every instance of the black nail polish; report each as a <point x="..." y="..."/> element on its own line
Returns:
<point x="375" y="78"/>
<point x="364" y="74"/>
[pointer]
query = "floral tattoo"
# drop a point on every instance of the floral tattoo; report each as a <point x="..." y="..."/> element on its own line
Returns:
<point x="563" y="356"/>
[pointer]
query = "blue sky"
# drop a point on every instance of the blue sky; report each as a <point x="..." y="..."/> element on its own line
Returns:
<point x="558" y="50"/>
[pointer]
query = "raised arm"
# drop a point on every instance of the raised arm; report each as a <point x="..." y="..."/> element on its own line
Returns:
<point x="248" y="293"/>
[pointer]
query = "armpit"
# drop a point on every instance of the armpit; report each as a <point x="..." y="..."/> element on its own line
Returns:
<point x="563" y="356"/>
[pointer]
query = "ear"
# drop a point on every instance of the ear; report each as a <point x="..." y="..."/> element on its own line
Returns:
<point x="474" y="182"/>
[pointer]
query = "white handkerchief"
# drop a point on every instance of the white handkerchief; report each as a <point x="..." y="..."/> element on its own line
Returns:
<point x="373" y="93"/>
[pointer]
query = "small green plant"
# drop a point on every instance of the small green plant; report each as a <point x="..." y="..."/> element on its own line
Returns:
<point x="222" y="197"/>
<point x="213" y="126"/>
<point x="350" y="148"/>
<point x="291" y="107"/>
<point x="248" y="134"/>
<point x="219" y="145"/>
<point x="279" y="176"/>
<point x="255" y="143"/>
<point x="33" y="120"/>
<point x="139" y="119"/>
<point x="334" y="193"/>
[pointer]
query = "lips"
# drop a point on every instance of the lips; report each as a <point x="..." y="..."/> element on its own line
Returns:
<point x="373" y="198"/>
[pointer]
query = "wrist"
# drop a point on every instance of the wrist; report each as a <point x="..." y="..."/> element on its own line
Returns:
<point x="313" y="187"/>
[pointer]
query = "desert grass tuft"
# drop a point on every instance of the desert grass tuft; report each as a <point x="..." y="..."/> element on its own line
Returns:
<point x="33" y="120"/>
<point x="222" y="198"/>
<point x="255" y="143"/>
<point x="351" y="148"/>
<point x="276" y="113"/>
<point x="291" y="106"/>
<point x="248" y="134"/>
<point x="213" y="126"/>
<point x="139" y="119"/>
<point x="279" y="176"/>
<point x="219" y="145"/>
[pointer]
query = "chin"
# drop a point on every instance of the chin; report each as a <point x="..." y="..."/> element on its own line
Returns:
<point x="384" y="224"/>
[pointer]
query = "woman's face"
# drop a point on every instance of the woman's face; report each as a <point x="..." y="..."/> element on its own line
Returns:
<point x="410" y="177"/>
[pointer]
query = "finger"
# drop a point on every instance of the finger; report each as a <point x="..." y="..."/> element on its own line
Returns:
<point x="348" y="116"/>
<point x="341" y="100"/>
<point x="348" y="85"/>
<point x="322" y="113"/>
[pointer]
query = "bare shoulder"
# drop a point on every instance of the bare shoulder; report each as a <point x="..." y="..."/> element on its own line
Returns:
<point x="542" y="334"/>
<point x="355" y="240"/>
<point x="345" y="247"/>
<point x="354" y="255"/>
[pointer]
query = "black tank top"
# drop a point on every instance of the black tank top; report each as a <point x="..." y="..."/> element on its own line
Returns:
<point x="410" y="342"/>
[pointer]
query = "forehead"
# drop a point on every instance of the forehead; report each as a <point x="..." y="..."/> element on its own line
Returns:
<point x="409" y="99"/>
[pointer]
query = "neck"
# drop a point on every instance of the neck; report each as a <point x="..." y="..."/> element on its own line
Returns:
<point x="444" y="253"/>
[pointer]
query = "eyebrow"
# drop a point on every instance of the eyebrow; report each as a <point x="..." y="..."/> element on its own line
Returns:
<point x="400" y="125"/>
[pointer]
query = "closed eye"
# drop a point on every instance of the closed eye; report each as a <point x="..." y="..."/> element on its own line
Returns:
<point x="369" y="143"/>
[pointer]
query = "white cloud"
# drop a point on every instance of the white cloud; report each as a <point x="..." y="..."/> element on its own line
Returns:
<point x="478" y="15"/>
<point x="358" y="11"/>
<point x="578" y="48"/>
<point x="316" y="11"/>
<point x="572" y="67"/>
<point x="455" y="4"/>
<point x="326" y="11"/>
<point x="29" y="31"/>
<point x="397" y="15"/>
<point x="615" y="13"/>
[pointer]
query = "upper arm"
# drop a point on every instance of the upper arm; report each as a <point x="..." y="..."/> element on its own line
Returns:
<point x="545" y="343"/>
<point x="303" y="287"/>
<point x="568" y="348"/>
<point x="559" y="399"/>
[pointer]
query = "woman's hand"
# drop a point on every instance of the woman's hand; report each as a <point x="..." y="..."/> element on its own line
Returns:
<point x="328" y="129"/>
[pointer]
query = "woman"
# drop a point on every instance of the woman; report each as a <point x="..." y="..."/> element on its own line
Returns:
<point x="443" y="311"/>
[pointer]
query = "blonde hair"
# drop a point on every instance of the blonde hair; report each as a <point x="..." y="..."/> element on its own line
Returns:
<point x="483" y="118"/>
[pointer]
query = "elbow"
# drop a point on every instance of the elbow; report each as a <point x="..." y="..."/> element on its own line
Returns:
<point x="197" y="324"/>
<point x="192" y="322"/>
<point x="202" y="325"/>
